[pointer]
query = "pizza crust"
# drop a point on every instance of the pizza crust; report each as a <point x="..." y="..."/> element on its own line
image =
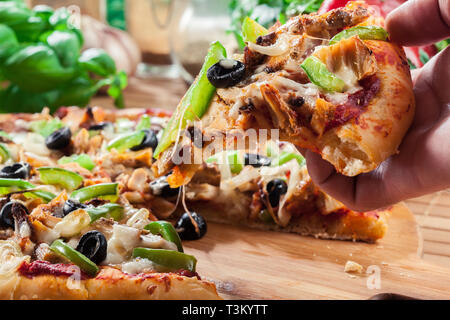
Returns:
<point x="362" y="144"/>
<point x="110" y="284"/>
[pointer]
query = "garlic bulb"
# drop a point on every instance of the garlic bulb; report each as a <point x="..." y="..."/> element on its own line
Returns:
<point x="119" y="44"/>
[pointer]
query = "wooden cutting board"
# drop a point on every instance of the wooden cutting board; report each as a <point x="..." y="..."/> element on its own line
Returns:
<point x="252" y="264"/>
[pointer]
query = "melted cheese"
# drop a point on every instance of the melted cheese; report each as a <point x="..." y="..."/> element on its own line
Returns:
<point x="73" y="223"/>
<point x="122" y="242"/>
<point x="137" y="266"/>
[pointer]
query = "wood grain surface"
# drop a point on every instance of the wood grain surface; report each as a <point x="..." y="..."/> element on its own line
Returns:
<point x="432" y="212"/>
<point x="251" y="264"/>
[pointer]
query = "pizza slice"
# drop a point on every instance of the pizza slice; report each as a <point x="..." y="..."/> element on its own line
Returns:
<point x="266" y="187"/>
<point x="333" y="83"/>
<point x="67" y="229"/>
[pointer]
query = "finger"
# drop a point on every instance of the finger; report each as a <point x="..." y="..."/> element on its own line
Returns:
<point x="431" y="89"/>
<point x="325" y="177"/>
<point x="365" y="192"/>
<point x="419" y="22"/>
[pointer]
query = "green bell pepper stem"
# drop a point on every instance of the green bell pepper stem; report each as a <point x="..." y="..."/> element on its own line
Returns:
<point x="82" y="159"/>
<point x="95" y="191"/>
<point x="4" y="153"/>
<point x="24" y="185"/>
<point x="234" y="159"/>
<point x="363" y="32"/>
<point x="195" y="102"/>
<point x="144" y="123"/>
<point x="167" y="231"/>
<point x="251" y="30"/>
<point x="318" y="73"/>
<point x="113" y="210"/>
<point x="285" y="157"/>
<point x="75" y="257"/>
<point x="168" y="259"/>
<point x="126" y="141"/>
<point x="57" y="176"/>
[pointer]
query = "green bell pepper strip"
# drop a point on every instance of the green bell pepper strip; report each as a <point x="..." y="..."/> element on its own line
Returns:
<point x="363" y="32"/>
<point x="127" y="141"/>
<point x="172" y="260"/>
<point x="251" y="30"/>
<point x="4" y="153"/>
<point x="82" y="159"/>
<point x="167" y="231"/>
<point x="5" y="135"/>
<point x="318" y="73"/>
<point x="113" y="210"/>
<point x="57" y="176"/>
<point x="24" y="185"/>
<point x="95" y="191"/>
<point x="44" y="127"/>
<point x="144" y="123"/>
<point x="285" y="157"/>
<point x="75" y="257"/>
<point x="234" y="159"/>
<point x="195" y="102"/>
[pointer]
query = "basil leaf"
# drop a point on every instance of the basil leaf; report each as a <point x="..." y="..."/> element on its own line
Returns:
<point x="97" y="61"/>
<point x="36" y="68"/>
<point x="66" y="45"/>
<point x="8" y="41"/>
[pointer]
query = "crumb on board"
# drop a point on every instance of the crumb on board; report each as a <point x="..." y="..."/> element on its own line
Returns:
<point x="353" y="267"/>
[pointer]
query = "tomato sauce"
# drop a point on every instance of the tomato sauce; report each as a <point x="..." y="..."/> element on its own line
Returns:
<point x="356" y="102"/>
<point x="38" y="267"/>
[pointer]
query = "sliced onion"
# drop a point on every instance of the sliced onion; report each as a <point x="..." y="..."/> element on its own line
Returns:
<point x="10" y="258"/>
<point x="246" y="175"/>
<point x="277" y="49"/>
<point x="294" y="181"/>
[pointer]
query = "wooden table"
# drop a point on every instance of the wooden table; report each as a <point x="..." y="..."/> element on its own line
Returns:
<point x="432" y="212"/>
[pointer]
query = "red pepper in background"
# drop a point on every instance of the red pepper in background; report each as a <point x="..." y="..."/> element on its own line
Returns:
<point x="384" y="7"/>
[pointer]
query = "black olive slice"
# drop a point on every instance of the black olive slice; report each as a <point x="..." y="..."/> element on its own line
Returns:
<point x="93" y="245"/>
<point x="226" y="73"/>
<point x="150" y="141"/>
<point x="256" y="160"/>
<point x="191" y="230"/>
<point x="59" y="139"/>
<point x="276" y="188"/>
<point x="19" y="170"/>
<point x="160" y="187"/>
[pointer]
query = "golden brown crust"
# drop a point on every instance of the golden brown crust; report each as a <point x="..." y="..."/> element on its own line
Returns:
<point x="110" y="284"/>
<point x="375" y="134"/>
<point x="339" y="225"/>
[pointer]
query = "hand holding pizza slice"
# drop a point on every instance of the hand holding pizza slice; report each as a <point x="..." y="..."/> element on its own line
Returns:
<point x="331" y="83"/>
